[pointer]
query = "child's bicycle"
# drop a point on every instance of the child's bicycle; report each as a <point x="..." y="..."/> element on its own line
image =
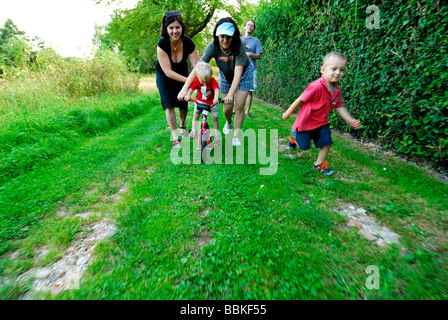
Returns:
<point x="204" y="138"/>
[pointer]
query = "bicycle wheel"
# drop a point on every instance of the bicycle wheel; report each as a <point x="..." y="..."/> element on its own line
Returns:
<point x="204" y="139"/>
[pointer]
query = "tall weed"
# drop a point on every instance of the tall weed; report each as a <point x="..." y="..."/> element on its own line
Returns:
<point x="58" y="102"/>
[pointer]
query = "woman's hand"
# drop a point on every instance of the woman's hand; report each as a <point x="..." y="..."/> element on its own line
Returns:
<point x="228" y="100"/>
<point x="182" y="95"/>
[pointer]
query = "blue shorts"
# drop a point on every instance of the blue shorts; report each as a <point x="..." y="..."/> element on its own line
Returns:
<point x="246" y="83"/>
<point x="321" y="137"/>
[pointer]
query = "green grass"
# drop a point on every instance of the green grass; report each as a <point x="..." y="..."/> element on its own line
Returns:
<point x="267" y="236"/>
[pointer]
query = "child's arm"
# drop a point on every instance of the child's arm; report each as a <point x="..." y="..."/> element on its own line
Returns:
<point x="190" y="79"/>
<point x="188" y="95"/>
<point x="347" y="117"/>
<point x="216" y="97"/>
<point x="287" y="114"/>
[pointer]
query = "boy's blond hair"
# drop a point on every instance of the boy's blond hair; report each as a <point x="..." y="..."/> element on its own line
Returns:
<point x="203" y="71"/>
<point x="333" y="54"/>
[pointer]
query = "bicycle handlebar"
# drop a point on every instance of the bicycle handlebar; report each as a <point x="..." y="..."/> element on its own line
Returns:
<point x="210" y="105"/>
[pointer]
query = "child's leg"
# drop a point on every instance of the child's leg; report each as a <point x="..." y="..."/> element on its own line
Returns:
<point x="323" y="152"/>
<point x="194" y="133"/>
<point x="215" y="113"/>
<point x="215" y="125"/>
<point x="321" y="165"/>
<point x="216" y="134"/>
<point x="323" y="141"/>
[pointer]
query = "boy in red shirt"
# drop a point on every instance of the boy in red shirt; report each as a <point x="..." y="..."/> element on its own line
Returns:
<point x="208" y="93"/>
<point x="317" y="101"/>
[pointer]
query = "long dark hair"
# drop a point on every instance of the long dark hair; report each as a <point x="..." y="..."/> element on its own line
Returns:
<point x="168" y="19"/>
<point x="236" y="40"/>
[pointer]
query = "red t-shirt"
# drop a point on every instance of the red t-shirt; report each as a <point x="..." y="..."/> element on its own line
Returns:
<point x="205" y="93"/>
<point x="317" y="105"/>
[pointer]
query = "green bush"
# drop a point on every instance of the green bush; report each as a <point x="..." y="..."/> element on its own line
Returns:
<point x="106" y="72"/>
<point x="395" y="75"/>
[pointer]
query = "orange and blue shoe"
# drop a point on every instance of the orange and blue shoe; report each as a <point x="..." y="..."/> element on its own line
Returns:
<point x="323" y="168"/>
<point x="291" y="143"/>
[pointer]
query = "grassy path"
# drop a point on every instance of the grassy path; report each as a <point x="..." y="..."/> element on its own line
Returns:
<point x="223" y="231"/>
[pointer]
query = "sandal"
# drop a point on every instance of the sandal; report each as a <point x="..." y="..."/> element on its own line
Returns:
<point x="183" y="130"/>
<point x="176" y="144"/>
<point x="248" y="116"/>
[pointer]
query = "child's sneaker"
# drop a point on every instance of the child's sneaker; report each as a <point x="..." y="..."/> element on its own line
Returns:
<point x="323" y="168"/>
<point x="193" y="134"/>
<point x="291" y="143"/>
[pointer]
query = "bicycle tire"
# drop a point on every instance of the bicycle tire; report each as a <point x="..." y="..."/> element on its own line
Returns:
<point x="204" y="139"/>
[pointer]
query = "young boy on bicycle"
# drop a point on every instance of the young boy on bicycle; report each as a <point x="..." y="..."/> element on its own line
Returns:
<point x="317" y="101"/>
<point x="208" y="93"/>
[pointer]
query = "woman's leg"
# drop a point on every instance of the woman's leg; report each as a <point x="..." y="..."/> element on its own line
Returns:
<point x="182" y="118"/>
<point x="171" y="119"/>
<point x="227" y="110"/>
<point x="248" y="104"/>
<point x="240" y="100"/>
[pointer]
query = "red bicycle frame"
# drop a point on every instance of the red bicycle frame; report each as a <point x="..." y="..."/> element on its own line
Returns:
<point x="204" y="133"/>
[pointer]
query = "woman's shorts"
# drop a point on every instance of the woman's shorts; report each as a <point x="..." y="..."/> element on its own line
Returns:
<point x="321" y="137"/>
<point x="246" y="83"/>
<point x="214" y="110"/>
<point x="254" y="81"/>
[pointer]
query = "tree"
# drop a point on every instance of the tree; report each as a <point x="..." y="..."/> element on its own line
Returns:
<point x="9" y="30"/>
<point x="136" y="31"/>
<point x="14" y="49"/>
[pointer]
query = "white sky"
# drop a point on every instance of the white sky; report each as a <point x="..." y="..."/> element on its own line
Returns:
<point x="66" y="25"/>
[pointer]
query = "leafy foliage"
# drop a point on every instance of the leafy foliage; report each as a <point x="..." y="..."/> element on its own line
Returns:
<point x="395" y="76"/>
<point x="14" y="49"/>
<point x="136" y="31"/>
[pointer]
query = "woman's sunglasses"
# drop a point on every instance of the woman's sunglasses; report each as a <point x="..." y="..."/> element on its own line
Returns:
<point x="170" y="14"/>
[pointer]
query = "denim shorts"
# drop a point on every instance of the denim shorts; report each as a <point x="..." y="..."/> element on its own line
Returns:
<point x="254" y="81"/>
<point x="246" y="83"/>
<point x="321" y="137"/>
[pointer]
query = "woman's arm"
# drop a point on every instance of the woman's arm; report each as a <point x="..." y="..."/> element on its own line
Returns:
<point x="216" y="96"/>
<point x="194" y="58"/>
<point x="165" y="63"/>
<point x="238" y="73"/>
<point x="190" y="79"/>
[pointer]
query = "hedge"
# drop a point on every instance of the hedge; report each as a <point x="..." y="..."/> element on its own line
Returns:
<point x="396" y="71"/>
